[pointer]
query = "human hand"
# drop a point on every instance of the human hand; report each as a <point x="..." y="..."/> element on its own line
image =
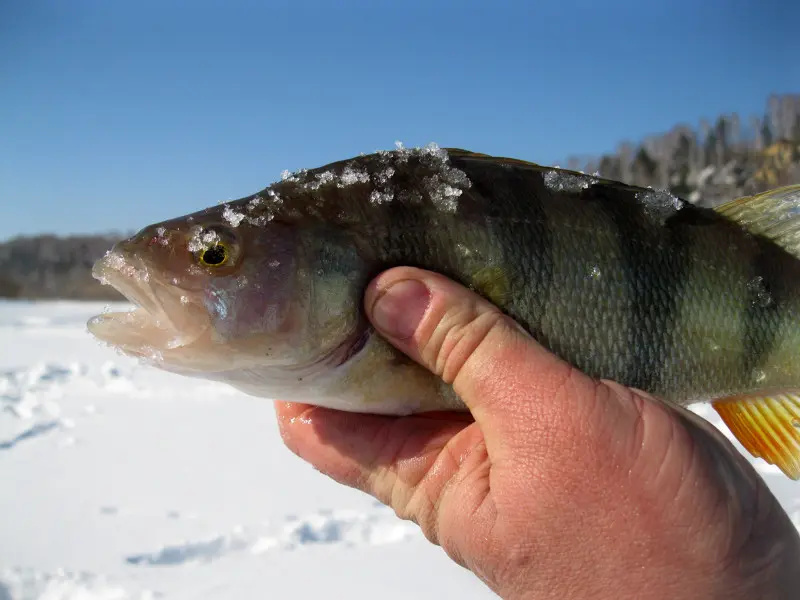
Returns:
<point x="562" y="486"/>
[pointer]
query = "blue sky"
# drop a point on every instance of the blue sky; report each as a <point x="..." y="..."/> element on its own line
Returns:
<point x="117" y="114"/>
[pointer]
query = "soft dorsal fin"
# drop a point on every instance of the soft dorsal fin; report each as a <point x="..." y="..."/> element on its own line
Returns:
<point x="774" y="214"/>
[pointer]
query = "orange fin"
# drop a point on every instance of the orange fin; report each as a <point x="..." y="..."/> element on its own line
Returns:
<point x="768" y="426"/>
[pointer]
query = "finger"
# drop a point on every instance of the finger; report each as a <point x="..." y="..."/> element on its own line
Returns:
<point x="509" y="382"/>
<point x="404" y="462"/>
<point x="307" y="431"/>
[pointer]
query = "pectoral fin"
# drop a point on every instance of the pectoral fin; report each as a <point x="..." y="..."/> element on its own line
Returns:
<point x="768" y="426"/>
<point x="493" y="283"/>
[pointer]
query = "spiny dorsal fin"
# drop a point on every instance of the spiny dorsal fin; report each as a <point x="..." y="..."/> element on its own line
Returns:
<point x="462" y="152"/>
<point x="517" y="162"/>
<point x="458" y="152"/>
<point x="774" y="214"/>
<point x="768" y="426"/>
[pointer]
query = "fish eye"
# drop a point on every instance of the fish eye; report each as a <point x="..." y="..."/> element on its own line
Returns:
<point x="215" y="256"/>
<point x="214" y="247"/>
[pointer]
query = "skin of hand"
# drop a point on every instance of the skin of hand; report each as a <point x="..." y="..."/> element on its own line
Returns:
<point x="555" y="485"/>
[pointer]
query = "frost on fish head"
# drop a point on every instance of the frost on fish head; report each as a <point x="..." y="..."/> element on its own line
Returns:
<point x="269" y="307"/>
<point x="213" y="293"/>
<point x="265" y="293"/>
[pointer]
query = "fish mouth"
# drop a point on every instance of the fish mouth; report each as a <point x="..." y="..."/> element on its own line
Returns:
<point x="165" y="317"/>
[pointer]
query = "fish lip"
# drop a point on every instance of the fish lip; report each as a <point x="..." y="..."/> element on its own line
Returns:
<point x="128" y="273"/>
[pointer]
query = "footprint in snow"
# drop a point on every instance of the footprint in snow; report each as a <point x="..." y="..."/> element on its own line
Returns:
<point x="328" y="528"/>
<point x="30" y="433"/>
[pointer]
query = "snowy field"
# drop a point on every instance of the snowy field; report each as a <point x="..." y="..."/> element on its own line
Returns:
<point x="122" y="482"/>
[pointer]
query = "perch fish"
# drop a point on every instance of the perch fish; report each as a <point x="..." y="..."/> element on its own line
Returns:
<point x="635" y="285"/>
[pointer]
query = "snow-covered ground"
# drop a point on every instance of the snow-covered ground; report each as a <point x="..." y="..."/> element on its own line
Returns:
<point x="118" y="481"/>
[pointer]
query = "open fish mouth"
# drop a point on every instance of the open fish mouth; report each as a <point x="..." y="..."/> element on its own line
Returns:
<point x="164" y="318"/>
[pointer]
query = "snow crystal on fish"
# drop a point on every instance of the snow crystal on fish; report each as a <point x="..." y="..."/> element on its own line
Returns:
<point x="431" y="154"/>
<point x="117" y="262"/>
<point x="385" y="175"/>
<point x="448" y="183"/>
<point x="400" y="155"/>
<point x="320" y="179"/>
<point x="260" y="220"/>
<point x="759" y="289"/>
<point x="562" y="181"/>
<point x="265" y="207"/>
<point x="201" y="239"/>
<point x="443" y="195"/>
<point x="433" y="149"/>
<point x="274" y="199"/>
<point x="351" y="176"/>
<point x="161" y="236"/>
<point x="378" y="197"/>
<point x="295" y="177"/>
<point x="233" y="218"/>
<point x="660" y="205"/>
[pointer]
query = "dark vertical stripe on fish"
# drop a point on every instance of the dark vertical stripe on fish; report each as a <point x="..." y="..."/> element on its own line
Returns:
<point x="656" y="274"/>
<point x="766" y="306"/>
<point x="408" y="234"/>
<point x="501" y="201"/>
<point x="535" y="238"/>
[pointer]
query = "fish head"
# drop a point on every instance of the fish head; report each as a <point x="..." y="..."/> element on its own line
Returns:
<point x="216" y="295"/>
<point x="265" y="293"/>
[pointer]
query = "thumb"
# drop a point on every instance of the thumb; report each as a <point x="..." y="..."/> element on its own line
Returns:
<point x="506" y="378"/>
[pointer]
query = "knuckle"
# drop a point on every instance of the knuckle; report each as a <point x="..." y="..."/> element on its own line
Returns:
<point x="458" y="334"/>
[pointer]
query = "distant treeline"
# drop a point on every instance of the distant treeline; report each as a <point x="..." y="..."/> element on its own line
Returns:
<point x="47" y="266"/>
<point x="716" y="161"/>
